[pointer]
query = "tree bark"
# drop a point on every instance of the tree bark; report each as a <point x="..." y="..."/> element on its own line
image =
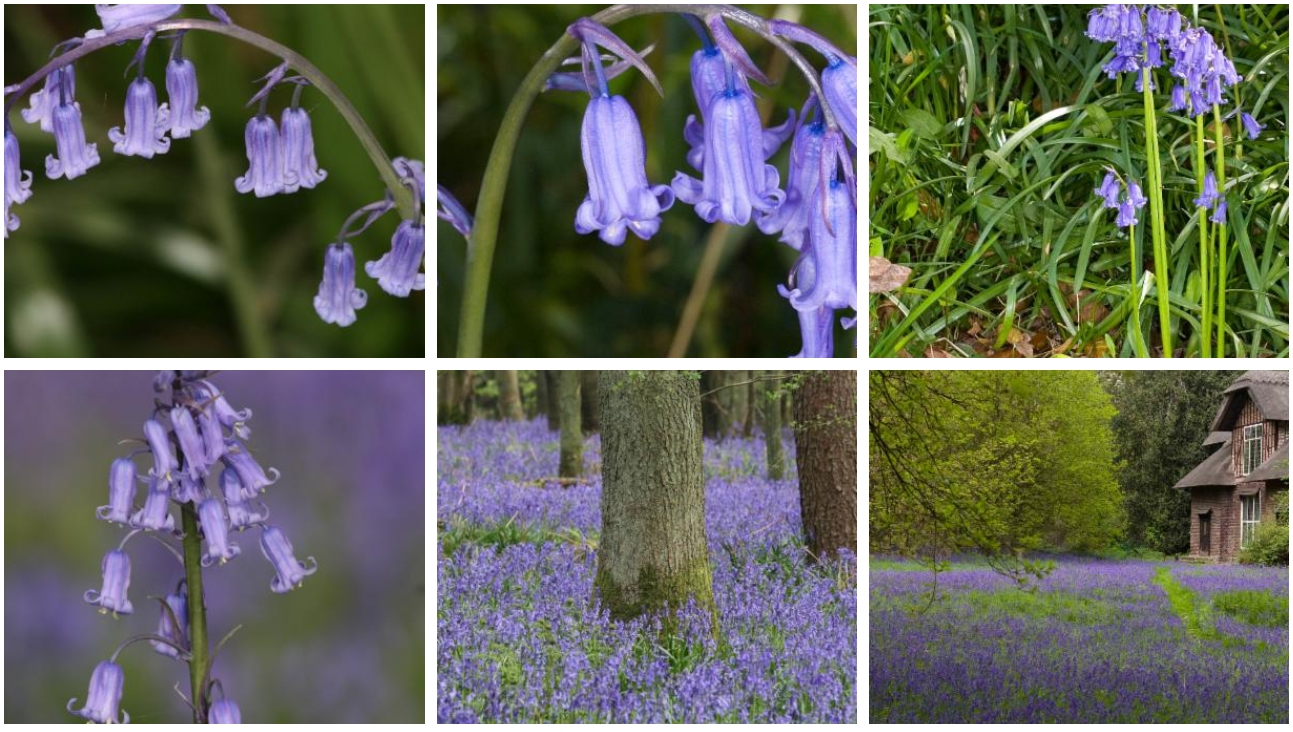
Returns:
<point x="540" y="394"/>
<point x="443" y="380"/>
<point x="572" y="437"/>
<point x="590" y="409"/>
<point x="770" y="407"/>
<point x="509" y="396"/>
<point x="466" y="396"/>
<point x="653" y="552"/>
<point x="826" y="444"/>
<point x="751" y="404"/>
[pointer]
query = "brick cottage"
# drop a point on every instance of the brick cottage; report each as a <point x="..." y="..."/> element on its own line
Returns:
<point x="1229" y="490"/>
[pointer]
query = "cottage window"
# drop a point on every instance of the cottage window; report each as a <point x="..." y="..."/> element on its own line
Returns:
<point x="1249" y="513"/>
<point x="1252" y="448"/>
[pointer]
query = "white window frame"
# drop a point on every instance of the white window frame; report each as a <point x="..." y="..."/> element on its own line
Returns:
<point x="1250" y="512"/>
<point x="1252" y="455"/>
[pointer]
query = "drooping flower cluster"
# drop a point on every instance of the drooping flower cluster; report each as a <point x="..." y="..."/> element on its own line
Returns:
<point x="815" y="214"/>
<point x="1140" y="35"/>
<point x="280" y="154"/>
<point x="1111" y="192"/>
<point x="1212" y="198"/>
<point x="210" y="436"/>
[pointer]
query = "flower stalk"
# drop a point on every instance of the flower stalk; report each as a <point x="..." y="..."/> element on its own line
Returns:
<point x="1205" y="247"/>
<point x="1218" y="131"/>
<point x="1155" y="175"/>
<point x="199" y="656"/>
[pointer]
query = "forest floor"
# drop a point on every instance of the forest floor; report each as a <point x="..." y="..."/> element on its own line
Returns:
<point x="1097" y="642"/>
<point x="522" y="638"/>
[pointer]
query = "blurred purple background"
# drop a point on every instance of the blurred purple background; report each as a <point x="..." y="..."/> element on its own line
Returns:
<point x="348" y="646"/>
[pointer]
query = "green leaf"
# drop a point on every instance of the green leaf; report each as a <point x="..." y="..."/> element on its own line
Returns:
<point x="922" y="123"/>
<point x="884" y="142"/>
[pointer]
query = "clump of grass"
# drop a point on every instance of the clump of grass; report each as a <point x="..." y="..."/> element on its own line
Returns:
<point x="1253" y="607"/>
<point x="1195" y="615"/>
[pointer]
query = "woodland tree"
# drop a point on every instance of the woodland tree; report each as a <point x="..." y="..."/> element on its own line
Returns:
<point x="770" y="410"/>
<point x="827" y="456"/>
<point x="509" y="396"/>
<point x="572" y="437"/>
<point x="653" y="552"/>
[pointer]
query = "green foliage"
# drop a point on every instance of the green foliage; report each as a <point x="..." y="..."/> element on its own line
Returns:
<point x="1253" y="607"/>
<point x="989" y="127"/>
<point x="1163" y="418"/>
<point x="1196" y="616"/>
<point x="997" y="462"/>
<point x="1269" y="547"/>
<point x="1066" y="606"/>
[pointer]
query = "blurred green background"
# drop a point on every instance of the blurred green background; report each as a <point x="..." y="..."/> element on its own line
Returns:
<point x="346" y="646"/>
<point x="556" y="293"/>
<point x="142" y="257"/>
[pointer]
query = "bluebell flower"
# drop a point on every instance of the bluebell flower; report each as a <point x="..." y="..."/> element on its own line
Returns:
<point x="232" y="419"/>
<point x="219" y="14"/>
<point x="188" y="490"/>
<point x="619" y="197"/>
<point x="243" y="516"/>
<point x="163" y="458"/>
<point x="278" y="550"/>
<point x="216" y="531"/>
<point x="1135" y="195"/>
<point x="191" y="444"/>
<point x="121" y="492"/>
<point x="737" y="179"/>
<point x="1162" y="23"/>
<point x="43" y="102"/>
<point x="338" y="298"/>
<point x="1109" y="190"/>
<point x="816" y="328"/>
<point x="414" y="172"/>
<point x="116" y="582"/>
<point x="212" y="434"/>
<point x="840" y="85"/>
<point x="182" y="92"/>
<point x="121" y="17"/>
<point x="17" y="182"/>
<point x="826" y="274"/>
<point x="178" y="602"/>
<point x="1251" y="125"/>
<point x="1210" y="194"/>
<point x="146" y="123"/>
<point x="75" y="157"/>
<point x="300" y="169"/>
<point x="1126" y="215"/>
<point x="397" y="270"/>
<point x="101" y="705"/>
<point x="452" y="211"/>
<point x="224" y="712"/>
<point x="1219" y="213"/>
<point x="804" y="177"/>
<point x="264" y="157"/>
<point x="155" y="515"/>
<point x="251" y="475"/>
<point x="1179" y="101"/>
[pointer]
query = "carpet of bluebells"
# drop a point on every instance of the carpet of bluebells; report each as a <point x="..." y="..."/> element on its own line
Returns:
<point x="522" y="638"/>
<point x="1098" y="642"/>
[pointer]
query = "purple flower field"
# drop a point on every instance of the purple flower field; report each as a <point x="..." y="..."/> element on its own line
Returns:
<point x="1097" y="643"/>
<point x="522" y="638"/>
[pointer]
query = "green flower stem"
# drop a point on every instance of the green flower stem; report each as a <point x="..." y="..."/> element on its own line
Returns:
<point x="1218" y="131"/>
<point x="1205" y="273"/>
<point x="1156" y="215"/>
<point x="1137" y="339"/>
<point x="200" y="657"/>
<point x="489" y="207"/>
<point x="320" y="81"/>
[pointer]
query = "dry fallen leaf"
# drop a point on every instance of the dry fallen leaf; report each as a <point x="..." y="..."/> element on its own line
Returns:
<point x="885" y="276"/>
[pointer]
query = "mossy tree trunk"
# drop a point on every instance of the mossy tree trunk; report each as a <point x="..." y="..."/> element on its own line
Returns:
<point x="590" y="409"/>
<point x="770" y="408"/>
<point x="443" y="394"/>
<point x="509" y="396"/>
<point x="827" y="456"/>
<point x="551" y="380"/>
<point x="572" y="436"/>
<point x="653" y="552"/>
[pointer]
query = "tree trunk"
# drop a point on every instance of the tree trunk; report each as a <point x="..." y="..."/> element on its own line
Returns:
<point x="590" y="409"/>
<point x="443" y="400"/>
<point x="770" y="406"/>
<point x="509" y="396"/>
<point x="572" y="438"/>
<point x="466" y="396"/>
<point x="736" y="399"/>
<point x="552" y="380"/>
<point x="709" y="405"/>
<point x="653" y="550"/>
<point x="826" y="444"/>
<point x="751" y="404"/>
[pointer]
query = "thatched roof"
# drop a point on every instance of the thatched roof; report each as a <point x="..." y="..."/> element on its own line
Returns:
<point x="1269" y="390"/>
<point x="1276" y="468"/>
<point x="1216" y="438"/>
<point x="1214" y="471"/>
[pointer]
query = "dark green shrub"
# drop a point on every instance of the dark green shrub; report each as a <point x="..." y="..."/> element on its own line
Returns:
<point x="1269" y="547"/>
